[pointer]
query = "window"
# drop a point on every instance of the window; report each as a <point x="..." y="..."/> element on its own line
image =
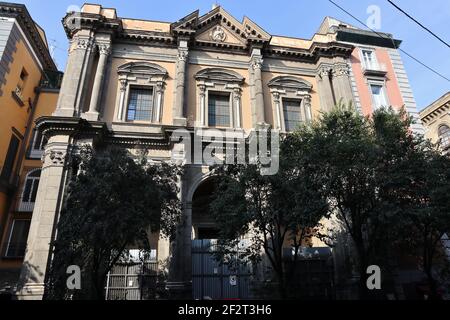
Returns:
<point x="444" y="136"/>
<point x="17" y="242"/>
<point x="378" y="96"/>
<point x="291" y="112"/>
<point x="29" y="191"/>
<point x="370" y="61"/>
<point x="21" y="85"/>
<point x="140" y="104"/>
<point x="219" y="109"/>
<point x="37" y="144"/>
<point x="8" y="165"/>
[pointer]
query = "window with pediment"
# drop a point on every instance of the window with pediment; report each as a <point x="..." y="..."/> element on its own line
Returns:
<point x="141" y="92"/>
<point x="219" y="98"/>
<point x="292" y="102"/>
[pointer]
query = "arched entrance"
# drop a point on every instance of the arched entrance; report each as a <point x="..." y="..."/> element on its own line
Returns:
<point x="203" y="225"/>
<point x="210" y="279"/>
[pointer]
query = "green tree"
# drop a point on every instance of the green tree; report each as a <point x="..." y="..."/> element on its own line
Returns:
<point x="277" y="211"/>
<point x="425" y="203"/>
<point x="113" y="201"/>
<point x="363" y="161"/>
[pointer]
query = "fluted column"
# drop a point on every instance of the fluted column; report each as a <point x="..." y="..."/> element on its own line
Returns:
<point x="104" y="50"/>
<point x="178" y="111"/>
<point x="72" y="86"/>
<point x="256" y="64"/>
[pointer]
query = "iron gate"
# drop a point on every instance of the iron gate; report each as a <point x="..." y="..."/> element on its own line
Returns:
<point x="210" y="280"/>
<point x="132" y="281"/>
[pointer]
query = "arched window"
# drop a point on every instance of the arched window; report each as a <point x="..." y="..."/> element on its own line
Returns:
<point x="444" y="136"/>
<point x="29" y="193"/>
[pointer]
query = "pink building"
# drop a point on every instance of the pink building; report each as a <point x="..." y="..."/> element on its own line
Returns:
<point x="378" y="76"/>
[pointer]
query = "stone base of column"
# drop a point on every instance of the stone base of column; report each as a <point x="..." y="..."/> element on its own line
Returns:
<point x="63" y="112"/>
<point x="90" y="116"/>
<point x="31" y="291"/>
<point x="179" y="122"/>
<point x="179" y="290"/>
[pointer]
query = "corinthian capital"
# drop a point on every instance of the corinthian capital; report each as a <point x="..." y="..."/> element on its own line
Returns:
<point x="341" y="70"/>
<point x="84" y="43"/>
<point x="257" y="63"/>
<point x="104" y="48"/>
<point x="182" y="55"/>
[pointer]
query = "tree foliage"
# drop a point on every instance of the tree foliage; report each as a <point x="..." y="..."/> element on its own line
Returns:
<point x="275" y="211"/>
<point x="114" y="201"/>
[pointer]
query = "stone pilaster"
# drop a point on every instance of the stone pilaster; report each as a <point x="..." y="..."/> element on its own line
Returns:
<point x="44" y="219"/>
<point x="104" y="51"/>
<point x="341" y="83"/>
<point x="237" y="114"/>
<point x="73" y="84"/>
<point x="325" y="90"/>
<point x="307" y="107"/>
<point x="256" y="66"/>
<point x="178" y="110"/>
<point x="179" y="283"/>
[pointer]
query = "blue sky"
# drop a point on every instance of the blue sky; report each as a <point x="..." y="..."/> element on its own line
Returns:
<point x="292" y="18"/>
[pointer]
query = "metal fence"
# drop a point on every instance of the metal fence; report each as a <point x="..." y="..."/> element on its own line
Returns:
<point x="132" y="281"/>
<point x="210" y="280"/>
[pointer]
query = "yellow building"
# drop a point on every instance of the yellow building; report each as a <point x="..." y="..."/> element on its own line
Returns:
<point x="436" y="119"/>
<point x="28" y="89"/>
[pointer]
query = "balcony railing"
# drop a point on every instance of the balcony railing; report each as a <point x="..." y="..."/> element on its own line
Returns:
<point x="25" y="206"/>
<point x="51" y="80"/>
<point x="36" y="154"/>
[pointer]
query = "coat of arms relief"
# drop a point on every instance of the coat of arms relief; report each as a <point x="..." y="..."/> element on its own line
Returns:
<point x="218" y="34"/>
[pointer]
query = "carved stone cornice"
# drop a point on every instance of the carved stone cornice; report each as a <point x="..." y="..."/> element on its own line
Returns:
<point x="75" y="21"/>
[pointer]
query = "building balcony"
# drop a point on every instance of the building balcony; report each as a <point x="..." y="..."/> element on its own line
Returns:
<point x="375" y="69"/>
<point x="25" y="206"/>
<point x="51" y="80"/>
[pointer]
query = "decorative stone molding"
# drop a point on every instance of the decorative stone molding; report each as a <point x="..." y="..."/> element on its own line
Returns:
<point x="104" y="48"/>
<point x="257" y="63"/>
<point x="57" y="157"/>
<point x="183" y="55"/>
<point x="324" y="72"/>
<point x="219" y="80"/>
<point x="291" y="88"/>
<point x="218" y="34"/>
<point x="341" y="70"/>
<point x="142" y="74"/>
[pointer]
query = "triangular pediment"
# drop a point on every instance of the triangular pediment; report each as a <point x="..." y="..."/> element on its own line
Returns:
<point x="220" y="33"/>
<point x="218" y="26"/>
